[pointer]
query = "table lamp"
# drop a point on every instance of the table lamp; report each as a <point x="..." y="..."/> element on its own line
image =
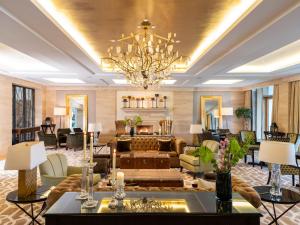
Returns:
<point x="196" y="129"/>
<point x="25" y="157"/>
<point x="277" y="153"/>
<point x="227" y="111"/>
<point x="59" y="111"/>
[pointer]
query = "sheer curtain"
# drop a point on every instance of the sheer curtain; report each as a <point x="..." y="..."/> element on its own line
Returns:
<point x="294" y="107"/>
<point x="275" y="103"/>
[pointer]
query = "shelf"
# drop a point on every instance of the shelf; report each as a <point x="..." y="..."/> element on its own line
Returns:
<point x="145" y="109"/>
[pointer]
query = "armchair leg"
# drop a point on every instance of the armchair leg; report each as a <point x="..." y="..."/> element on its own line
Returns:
<point x="245" y="158"/>
<point x="181" y="168"/>
<point x="293" y="179"/>
<point x="252" y="158"/>
<point x="269" y="178"/>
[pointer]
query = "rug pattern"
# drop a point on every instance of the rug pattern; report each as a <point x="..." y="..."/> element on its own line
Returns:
<point x="11" y="215"/>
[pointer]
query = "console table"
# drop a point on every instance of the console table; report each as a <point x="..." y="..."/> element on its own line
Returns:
<point x="187" y="208"/>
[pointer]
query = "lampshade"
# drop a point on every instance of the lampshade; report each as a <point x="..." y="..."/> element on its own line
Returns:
<point x="59" y="111"/>
<point x="25" y="156"/>
<point x="195" y="129"/>
<point x="277" y="152"/>
<point x="227" y="111"/>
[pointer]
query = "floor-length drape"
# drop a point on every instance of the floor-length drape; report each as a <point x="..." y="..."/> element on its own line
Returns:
<point x="275" y="103"/>
<point x="294" y="107"/>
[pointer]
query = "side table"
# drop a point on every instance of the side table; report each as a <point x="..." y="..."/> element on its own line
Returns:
<point x="288" y="197"/>
<point x="40" y="196"/>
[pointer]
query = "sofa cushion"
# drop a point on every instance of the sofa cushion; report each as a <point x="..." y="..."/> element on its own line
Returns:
<point x="164" y="145"/>
<point x="123" y="145"/>
<point x="190" y="159"/>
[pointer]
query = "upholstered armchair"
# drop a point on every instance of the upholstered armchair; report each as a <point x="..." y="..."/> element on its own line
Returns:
<point x="48" y="139"/>
<point x="120" y="127"/>
<point x="62" y="135"/>
<point x="74" y="141"/>
<point x="56" y="169"/>
<point x="254" y="146"/>
<point x="193" y="164"/>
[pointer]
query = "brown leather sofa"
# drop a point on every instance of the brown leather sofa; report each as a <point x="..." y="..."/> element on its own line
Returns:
<point x="150" y="144"/>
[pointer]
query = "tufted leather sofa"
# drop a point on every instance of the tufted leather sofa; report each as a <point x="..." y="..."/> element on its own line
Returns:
<point x="150" y="144"/>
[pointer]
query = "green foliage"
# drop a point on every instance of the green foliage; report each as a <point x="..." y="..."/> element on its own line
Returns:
<point x="236" y="151"/>
<point x="205" y="154"/>
<point x="243" y="112"/>
<point x="136" y="120"/>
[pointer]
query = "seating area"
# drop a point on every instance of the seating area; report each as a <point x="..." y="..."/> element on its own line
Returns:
<point x="150" y="112"/>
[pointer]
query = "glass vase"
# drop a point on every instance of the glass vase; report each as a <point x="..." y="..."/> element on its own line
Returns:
<point x="223" y="186"/>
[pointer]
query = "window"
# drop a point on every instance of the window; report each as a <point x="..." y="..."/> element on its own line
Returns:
<point x="23" y="108"/>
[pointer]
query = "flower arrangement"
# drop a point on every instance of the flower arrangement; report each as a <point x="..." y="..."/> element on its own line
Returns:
<point x="228" y="156"/>
<point x="132" y="122"/>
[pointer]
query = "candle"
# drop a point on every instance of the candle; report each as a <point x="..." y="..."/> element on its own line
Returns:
<point x="84" y="145"/>
<point x="120" y="178"/>
<point x="91" y="148"/>
<point x="114" y="166"/>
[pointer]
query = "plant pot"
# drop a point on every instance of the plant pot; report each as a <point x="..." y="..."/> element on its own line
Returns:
<point x="224" y="207"/>
<point x="131" y="131"/>
<point x="223" y="186"/>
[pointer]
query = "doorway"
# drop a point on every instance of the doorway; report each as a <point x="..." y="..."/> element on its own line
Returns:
<point x="77" y="111"/>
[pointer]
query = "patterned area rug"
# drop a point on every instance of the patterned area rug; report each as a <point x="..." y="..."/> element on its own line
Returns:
<point x="11" y="215"/>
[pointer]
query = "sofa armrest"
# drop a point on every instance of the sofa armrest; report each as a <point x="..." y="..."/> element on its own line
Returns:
<point x="189" y="151"/>
<point x="49" y="181"/>
<point x="179" y="145"/>
<point x="74" y="170"/>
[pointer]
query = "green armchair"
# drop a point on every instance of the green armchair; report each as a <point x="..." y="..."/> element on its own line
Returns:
<point x="56" y="169"/>
<point x="193" y="164"/>
<point x="48" y="139"/>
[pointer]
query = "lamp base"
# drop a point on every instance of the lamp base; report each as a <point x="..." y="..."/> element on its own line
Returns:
<point x="27" y="182"/>
<point x="275" y="180"/>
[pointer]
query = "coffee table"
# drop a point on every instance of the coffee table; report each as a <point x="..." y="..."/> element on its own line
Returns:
<point x="188" y="208"/>
<point x="288" y="197"/>
<point x="153" y="177"/>
<point x="145" y="160"/>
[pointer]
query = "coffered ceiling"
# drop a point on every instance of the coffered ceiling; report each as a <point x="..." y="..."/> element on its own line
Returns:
<point x="219" y="37"/>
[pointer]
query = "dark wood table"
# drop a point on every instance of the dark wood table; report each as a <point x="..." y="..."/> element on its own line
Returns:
<point x="288" y="197"/>
<point x="51" y="127"/>
<point x="188" y="208"/>
<point x="39" y="197"/>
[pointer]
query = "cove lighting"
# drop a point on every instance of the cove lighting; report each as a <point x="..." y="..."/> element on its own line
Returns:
<point x="163" y="82"/>
<point x="65" y="80"/>
<point x="284" y="57"/>
<point x="12" y="60"/>
<point x="221" y="81"/>
<point x="66" y="24"/>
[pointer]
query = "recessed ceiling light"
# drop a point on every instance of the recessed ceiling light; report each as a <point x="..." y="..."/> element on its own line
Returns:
<point x="65" y="80"/>
<point x="13" y="60"/>
<point x="284" y="57"/>
<point x="221" y="81"/>
<point x="168" y="82"/>
<point x="120" y="81"/>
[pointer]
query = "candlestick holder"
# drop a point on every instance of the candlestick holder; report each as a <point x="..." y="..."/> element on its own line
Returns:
<point x="83" y="190"/>
<point x="120" y="195"/>
<point x="90" y="202"/>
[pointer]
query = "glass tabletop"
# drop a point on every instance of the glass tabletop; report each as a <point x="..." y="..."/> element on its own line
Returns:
<point x="40" y="196"/>
<point x="288" y="196"/>
<point x="159" y="202"/>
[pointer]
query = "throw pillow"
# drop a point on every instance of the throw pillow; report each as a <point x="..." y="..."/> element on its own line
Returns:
<point x="124" y="145"/>
<point x="164" y="145"/>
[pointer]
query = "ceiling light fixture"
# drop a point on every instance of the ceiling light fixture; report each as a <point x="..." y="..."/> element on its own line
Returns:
<point x="120" y="81"/>
<point x="222" y="81"/>
<point x="144" y="57"/>
<point x="168" y="82"/>
<point x="65" y="80"/>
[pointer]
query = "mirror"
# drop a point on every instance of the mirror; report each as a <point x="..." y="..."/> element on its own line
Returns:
<point x="77" y="111"/>
<point x="211" y="113"/>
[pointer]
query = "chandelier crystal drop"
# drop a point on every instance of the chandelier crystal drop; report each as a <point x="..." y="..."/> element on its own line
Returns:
<point x="145" y="58"/>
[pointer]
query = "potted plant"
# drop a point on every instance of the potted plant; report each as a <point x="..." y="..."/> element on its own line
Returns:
<point x="228" y="156"/>
<point x="245" y="114"/>
<point x="133" y="122"/>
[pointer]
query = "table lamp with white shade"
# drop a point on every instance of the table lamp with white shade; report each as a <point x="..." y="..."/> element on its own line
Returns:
<point x="196" y="129"/>
<point x="277" y="153"/>
<point x="25" y="157"/>
<point x="227" y="111"/>
<point x="59" y="111"/>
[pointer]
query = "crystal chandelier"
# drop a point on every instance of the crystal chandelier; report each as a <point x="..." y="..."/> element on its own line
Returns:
<point x="145" y="58"/>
